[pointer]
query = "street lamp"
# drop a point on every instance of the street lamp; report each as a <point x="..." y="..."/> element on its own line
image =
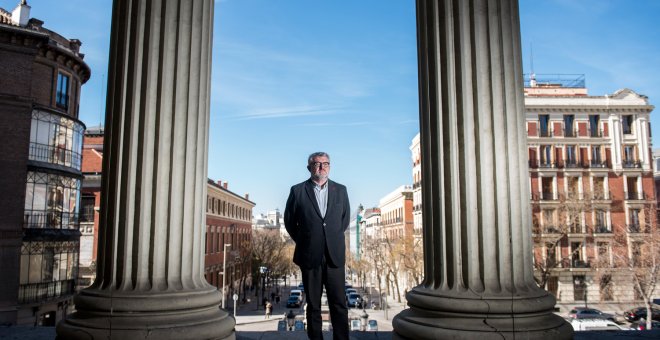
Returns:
<point x="224" y="271"/>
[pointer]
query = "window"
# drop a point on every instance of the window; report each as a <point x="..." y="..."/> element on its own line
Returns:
<point x="51" y="201"/>
<point x="579" y="287"/>
<point x="55" y="139"/>
<point x="546" y="155"/>
<point x="596" y="159"/>
<point x="573" y="189"/>
<point x="629" y="159"/>
<point x="599" y="191"/>
<point x="549" y="222"/>
<point x="593" y="126"/>
<point x="600" y="223"/>
<point x="543" y="125"/>
<point x="571" y="156"/>
<point x="48" y="270"/>
<point x="62" y="95"/>
<point x="606" y="288"/>
<point x="631" y="183"/>
<point x="634" y="227"/>
<point x="87" y="209"/>
<point x="627" y="122"/>
<point x="568" y="125"/>
<point x="547" y="187"/>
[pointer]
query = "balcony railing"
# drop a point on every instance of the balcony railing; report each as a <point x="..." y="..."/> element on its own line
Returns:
<point x="546" y="164"/>
<point x="631" y="163"/>
<point x="44" y="291"/>
<point x="636" y="229"/>
<point x="544" y="133"/>
<point x="40" y="219"/>
<point x="598" y="164"/>
<point x="54" y="155"/>
<point x="596" y="132"/>
<point x="601" y="196"/>
<point x="602" y="229"/>
<point x="635" y="195"/>
<point x="571" y="132"/>
<point x="576" y="229"/>
<point x="580" y="264"/>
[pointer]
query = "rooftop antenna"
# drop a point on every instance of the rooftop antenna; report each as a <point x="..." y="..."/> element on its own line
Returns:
<point x="532" y="75"/>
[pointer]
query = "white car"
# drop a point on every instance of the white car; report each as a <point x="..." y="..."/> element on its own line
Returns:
<point x="596" y="325"/>
<point x="297" y="293"/>
<point x="324" y="299"/>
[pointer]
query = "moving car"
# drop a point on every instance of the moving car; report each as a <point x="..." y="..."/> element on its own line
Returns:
<point x="297" y="293"/>
<point x="596" y="325"/>
<point x="640" y="313"/>
<point x="293" y="302"/>
<point x="354" y="300"/>
<point x="589" y="313"/>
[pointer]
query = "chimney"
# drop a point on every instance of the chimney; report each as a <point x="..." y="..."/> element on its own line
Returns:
<point x="21" y="14"/>
<point x="247" y="196"/>
<point x="225" y="184"/>
<point x="74" y="45"/>
<point x="219" y="183"/>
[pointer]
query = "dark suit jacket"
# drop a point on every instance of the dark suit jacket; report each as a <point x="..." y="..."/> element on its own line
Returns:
<point x="313" y="233"/>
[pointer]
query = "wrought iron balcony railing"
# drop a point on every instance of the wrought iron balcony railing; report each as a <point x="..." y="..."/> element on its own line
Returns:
<point x="627" y="163"/>
<point x="54" y="155"/>
<point x="50" y="219"/>
<point x="44" y="291"/>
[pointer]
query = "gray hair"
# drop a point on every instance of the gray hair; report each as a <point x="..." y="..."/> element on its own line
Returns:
<point x="311" y="157"/>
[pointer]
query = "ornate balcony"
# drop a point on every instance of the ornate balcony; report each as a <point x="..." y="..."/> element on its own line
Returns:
<point x="44" y="291"/>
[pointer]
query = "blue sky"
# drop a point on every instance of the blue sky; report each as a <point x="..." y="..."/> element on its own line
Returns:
<point x="291" y="77"/>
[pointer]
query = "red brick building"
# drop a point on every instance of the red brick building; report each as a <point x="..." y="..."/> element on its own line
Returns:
<point x="228" y="239"/>
<point x="41" y="74"/>
<point x="228" y="221"/>
<point x="592" y="187"/>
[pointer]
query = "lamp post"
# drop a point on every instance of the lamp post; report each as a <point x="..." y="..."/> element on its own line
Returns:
<point x="224" y="271"/>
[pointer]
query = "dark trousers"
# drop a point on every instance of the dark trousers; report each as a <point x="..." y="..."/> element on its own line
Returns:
<point x="332" y="278"/>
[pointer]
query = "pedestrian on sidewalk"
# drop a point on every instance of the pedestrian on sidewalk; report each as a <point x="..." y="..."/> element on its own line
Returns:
<point x="269" y="309"/>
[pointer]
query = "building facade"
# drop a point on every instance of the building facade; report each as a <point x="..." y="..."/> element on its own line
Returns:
<point x="90" y="202"/>
<point x="396" y="213"/>
<point x="41" y="74"/>
<point x="416" y="152"/>
<point x="228" y="239"/>
<point x="592" y="187"/>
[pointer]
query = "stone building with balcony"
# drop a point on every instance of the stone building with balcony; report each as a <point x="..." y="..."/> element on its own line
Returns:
<point x="41" y="74"/>
<point x="592" y="186"/>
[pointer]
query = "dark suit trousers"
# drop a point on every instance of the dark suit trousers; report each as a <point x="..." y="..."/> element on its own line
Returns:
<point x="333" y="279"/>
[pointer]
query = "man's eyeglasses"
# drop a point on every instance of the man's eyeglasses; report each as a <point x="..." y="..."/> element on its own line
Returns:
<point x="321" y="164"/>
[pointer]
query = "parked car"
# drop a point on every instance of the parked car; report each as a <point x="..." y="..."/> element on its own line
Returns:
<point x="640" y="313"/>
<point x="293" y="302"/>
<point x="355" y="325"/>
<point x="641" y="325"/>
<point x="301" y="287"/>
<point x="354" y="300"/>
<point x="324" y="299"/>
<point x="372" y="325"/>
<point x="589" y="313"/>
<point x="596" y="325"/>
<point x="349" y="291"/>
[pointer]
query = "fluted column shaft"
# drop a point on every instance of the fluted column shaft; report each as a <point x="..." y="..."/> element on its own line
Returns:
<point x="477" y="220"/>
<point x="150" y="266"/>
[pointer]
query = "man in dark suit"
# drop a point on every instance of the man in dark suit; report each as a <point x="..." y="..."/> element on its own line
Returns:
<point x="316" y="216"/>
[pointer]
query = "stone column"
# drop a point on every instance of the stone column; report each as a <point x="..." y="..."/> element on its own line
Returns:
<point x="477" y="223"/>
<point x="150" y="264"/>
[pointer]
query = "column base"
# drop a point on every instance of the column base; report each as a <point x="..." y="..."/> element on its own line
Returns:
<point x="101" y="314"/>
<point x="474" y="317"/>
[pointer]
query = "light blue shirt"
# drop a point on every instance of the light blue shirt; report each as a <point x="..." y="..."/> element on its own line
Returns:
<point x="321" y="194"/>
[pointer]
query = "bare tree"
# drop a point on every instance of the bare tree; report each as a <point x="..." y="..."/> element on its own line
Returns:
<point x="413" y="259"/>
<point x="269" y="251"/>
<point x="636" y="252"/>
<point x="557" y="223"/>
